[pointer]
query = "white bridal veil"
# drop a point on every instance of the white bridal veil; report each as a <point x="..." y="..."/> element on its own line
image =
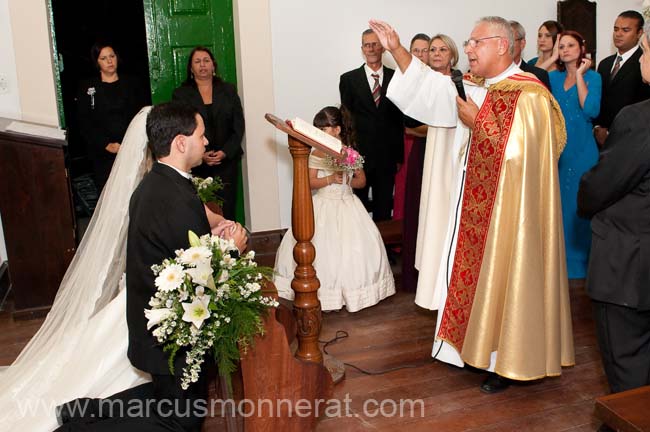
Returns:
<point x="80" y="350"/>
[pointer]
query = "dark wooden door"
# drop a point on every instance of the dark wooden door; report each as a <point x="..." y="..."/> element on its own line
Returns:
<point x="580" y="15"/>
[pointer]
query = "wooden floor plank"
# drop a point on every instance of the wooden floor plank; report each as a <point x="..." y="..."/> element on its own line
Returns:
<point x="396" y="332"/>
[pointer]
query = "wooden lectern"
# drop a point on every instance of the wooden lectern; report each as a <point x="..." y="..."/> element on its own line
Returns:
<point x="305" y="284"/>
<point x="271" y="386"/>
<point x="269" y="370"/>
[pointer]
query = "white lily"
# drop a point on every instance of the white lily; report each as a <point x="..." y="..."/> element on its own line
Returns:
<point x="201" y="274"/>
<point x="156" y="316"/>
<point x="193" y="238"/>
<point x="197" y="311"/>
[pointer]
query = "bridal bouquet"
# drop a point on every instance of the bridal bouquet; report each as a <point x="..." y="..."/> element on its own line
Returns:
<point x="351" y="162"/>
<point x="207" y="189"/>
<point x="208" y="300"/>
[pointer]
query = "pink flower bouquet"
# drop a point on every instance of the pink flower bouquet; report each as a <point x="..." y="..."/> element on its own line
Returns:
<point x="352" y="160"/>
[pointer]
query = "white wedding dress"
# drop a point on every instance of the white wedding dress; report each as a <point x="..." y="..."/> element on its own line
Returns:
<point x="80" y="350"/>
<point x="351" y="261"/>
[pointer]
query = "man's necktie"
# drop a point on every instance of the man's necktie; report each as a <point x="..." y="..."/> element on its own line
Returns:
<point x="617" y="66"/>
<point x="376" y="89"/>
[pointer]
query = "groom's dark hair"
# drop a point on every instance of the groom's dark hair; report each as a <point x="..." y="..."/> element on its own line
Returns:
<point x="165" y="122"/>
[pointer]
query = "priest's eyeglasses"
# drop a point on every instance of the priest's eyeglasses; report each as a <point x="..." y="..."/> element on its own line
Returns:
<point x="473" y="43"/>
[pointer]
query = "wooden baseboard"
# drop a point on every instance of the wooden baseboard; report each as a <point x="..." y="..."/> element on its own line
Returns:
<point x="31" y="313"/>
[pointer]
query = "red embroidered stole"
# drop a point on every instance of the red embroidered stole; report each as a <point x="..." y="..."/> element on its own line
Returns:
<point x="488" y="144"/>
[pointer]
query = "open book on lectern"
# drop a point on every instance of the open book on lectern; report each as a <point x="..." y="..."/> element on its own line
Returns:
<point x="310" y="131"/>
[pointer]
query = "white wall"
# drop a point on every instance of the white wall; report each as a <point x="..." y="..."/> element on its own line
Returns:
<point x="33" y="61"/>
<point x="255" y="82"/>
<point x="9" y="95"/>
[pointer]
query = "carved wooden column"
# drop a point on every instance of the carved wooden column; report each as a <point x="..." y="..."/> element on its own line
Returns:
<point x="305" y="283"/>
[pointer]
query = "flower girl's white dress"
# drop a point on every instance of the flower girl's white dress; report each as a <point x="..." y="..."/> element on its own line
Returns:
<point x="351" y="261"/>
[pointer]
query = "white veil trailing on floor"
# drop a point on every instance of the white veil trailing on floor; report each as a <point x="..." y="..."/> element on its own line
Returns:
<point x="80" y="350"/>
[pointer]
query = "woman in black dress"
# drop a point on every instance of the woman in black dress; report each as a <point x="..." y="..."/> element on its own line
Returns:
<point x="106" y="105"/>
<point x="221" y="109"/>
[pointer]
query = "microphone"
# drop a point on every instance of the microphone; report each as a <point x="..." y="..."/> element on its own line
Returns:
<point x="457" y="78"/>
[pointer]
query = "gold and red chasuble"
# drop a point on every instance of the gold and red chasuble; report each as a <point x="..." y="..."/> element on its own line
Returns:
<point x="490" y="137"/>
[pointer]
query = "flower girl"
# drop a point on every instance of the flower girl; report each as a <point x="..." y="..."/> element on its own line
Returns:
<point x="351" y="261"/>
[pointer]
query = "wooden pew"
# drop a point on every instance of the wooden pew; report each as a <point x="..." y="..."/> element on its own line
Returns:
<point x="391" y="232"/>
<point x="627" y="411"/>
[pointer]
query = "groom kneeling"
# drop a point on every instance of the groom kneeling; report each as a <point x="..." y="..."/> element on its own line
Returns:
<point x="163" y="208"/>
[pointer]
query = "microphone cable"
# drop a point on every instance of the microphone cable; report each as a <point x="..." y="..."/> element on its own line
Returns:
<point x="453" y="233"/>
<point x="342" y="334"/>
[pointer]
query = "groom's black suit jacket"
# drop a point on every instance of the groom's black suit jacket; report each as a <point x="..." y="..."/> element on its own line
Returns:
<point x="162" y="210"/>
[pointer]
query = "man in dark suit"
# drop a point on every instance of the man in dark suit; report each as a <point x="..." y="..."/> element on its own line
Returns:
<point x="377" y="123"/>
<point x="620" y="73"/>
<point x="616" y="195"/>
<point x="520" y="44"/>
<point x="163" y="208"/>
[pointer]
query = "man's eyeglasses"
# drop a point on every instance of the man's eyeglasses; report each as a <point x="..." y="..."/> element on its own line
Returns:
<point x="371" y="45"/>
<point x="473" y="43"/>
<point x="418" y="51"/>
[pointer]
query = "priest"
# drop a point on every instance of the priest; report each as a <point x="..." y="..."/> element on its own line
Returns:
<point x="502" y="292"/>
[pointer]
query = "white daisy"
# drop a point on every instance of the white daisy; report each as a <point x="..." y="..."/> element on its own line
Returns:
<point x="170" y="278"/>
<point x="195" y="256"/>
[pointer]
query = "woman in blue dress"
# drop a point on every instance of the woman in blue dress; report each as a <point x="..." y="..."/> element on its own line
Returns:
<point x="577" y="89"/>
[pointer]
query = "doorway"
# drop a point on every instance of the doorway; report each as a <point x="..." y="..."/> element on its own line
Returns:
<point x="78" y="24"/>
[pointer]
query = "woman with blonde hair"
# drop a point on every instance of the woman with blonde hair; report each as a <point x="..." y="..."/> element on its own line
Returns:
<point x="443" y="54"/>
